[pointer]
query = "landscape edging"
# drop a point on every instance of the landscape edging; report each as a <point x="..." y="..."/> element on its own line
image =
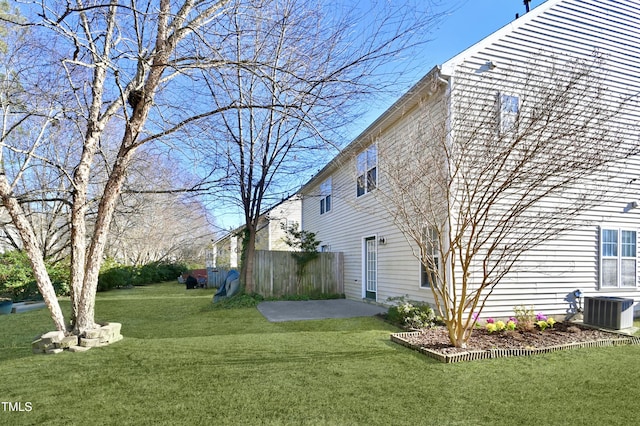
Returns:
<point x="401" y="339"/>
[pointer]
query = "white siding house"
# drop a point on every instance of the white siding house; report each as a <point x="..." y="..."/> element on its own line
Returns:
<point x="269" y="233"/>
<point x="598" y="256"/>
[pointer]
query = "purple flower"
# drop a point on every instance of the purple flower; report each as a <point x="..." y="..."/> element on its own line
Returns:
<point x="490" y="320"/>
<point x="515" y="321"/>
<point x="475" y="316"/>
<point x="541" y="317"/>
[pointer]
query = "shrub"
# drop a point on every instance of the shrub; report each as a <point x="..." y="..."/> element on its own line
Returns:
<point x="114" y="275"/>
<point x="411" y="314"/>
<point x="525" y="317"/>
<point x="18" y="282"/>
<point x="241" y="300"/>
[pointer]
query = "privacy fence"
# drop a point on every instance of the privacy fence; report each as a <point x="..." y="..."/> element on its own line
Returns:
<point x="275" y="274"/>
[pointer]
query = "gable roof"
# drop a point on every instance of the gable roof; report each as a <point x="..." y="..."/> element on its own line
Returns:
<point x="428" y="84"/>
<point x="448" y="66"/>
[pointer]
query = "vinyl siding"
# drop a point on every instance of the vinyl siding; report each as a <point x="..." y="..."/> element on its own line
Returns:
<point x="549" y="35"/>
<point x="547" y="275"/>
<point x="352" y="219"/>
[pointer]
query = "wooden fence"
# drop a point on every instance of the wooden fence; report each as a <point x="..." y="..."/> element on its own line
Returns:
<point x="275" y="274"/>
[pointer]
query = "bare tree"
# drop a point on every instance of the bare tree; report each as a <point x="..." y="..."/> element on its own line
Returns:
<point x="492" y="176"/>
<point x="293" y="74"/>
<point x="112" y="59"/>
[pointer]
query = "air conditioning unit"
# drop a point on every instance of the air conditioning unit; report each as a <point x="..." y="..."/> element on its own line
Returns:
<point x="608" y="312"/>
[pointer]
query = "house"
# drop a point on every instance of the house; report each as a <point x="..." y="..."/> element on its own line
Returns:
<point x="269" y="234"/>
<point x="597" y="42"/>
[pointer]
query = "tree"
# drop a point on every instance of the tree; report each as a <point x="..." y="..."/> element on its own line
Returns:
<point x="293" y="73"/>
<point x="304" y="245"/>
<point x="159" y="227"/>
<point x="107" y="64"/>
<point x="494" y="177"/>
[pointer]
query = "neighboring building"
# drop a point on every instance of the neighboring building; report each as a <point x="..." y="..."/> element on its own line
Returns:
<point x="269" y="234"/>
<point x="600" y="258"/>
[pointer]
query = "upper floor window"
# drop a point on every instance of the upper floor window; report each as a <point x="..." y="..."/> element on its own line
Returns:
<point x="509" y="110"/>
<point x="325" y="196"/>
<point x="617" y="258"/>
<point x="367" y="166"/>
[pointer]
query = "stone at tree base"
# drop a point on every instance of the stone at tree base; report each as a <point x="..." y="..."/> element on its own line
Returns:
<point x="56" y="341"/>
<point x="93" y="334"/>
<point x="39" y="347"/>
<point x="52" y="337"/>
<point x="115" y="327"/>
<point x="67" y="342"/>
<point x="53" y="340"/>
<point x="54" y="351"/>
<point x="89" y="343"/>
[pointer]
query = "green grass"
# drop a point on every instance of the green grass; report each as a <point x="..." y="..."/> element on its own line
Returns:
<point x="183" y="362"/>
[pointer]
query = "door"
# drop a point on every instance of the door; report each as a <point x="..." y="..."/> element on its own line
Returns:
<point x="370" y="268"/>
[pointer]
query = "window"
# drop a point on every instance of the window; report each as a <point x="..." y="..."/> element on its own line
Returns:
<point x="617" y="258"/>
<point x="509" y="109"/>
<point x="429" y="275"/>
<point x="325" y="196"/>
<point x="367" y="164"/>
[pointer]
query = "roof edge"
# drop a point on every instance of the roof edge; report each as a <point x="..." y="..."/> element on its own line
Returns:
<point x="449" y="65"/>
<point x="429" y="83"/>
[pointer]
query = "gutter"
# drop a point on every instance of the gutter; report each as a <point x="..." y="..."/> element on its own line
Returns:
<point x="427" y="85"/>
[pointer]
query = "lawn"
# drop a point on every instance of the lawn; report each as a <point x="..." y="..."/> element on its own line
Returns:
<point x="184" y="362"/>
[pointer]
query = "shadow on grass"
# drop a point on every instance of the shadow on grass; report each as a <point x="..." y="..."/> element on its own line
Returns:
<point x="169" y="311"/>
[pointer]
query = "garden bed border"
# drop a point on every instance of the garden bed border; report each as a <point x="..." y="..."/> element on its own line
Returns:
<point x="401" y="339"/>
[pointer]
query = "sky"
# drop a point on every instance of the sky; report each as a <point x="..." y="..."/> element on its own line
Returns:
<point x="466" y="23"/>
<point x="469" y="22"/>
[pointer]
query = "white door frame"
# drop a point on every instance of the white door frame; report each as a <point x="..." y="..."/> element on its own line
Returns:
<point x="370" y="241"/>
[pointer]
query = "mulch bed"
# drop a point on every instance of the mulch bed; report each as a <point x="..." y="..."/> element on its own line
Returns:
<point x="435" y="343"/>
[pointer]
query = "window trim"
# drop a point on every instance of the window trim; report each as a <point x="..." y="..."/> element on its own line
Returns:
<point x="367" y="170"/>
<point x="619" y="257"/>
<point x="507" y="119"/>
<point x="326" y="202"/>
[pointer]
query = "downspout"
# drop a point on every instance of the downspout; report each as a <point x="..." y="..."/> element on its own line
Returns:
<point x="446" y="246"/>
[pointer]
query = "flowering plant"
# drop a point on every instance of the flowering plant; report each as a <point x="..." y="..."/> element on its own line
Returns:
<point x="547" y="322"/>
<point x="524" y="319"/>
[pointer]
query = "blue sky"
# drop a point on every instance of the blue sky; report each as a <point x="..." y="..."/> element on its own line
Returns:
<point x="466" y="23"/>
<point x="469" y="22"/>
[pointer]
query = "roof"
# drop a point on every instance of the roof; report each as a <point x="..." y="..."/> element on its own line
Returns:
<point x="428" y="84"/>
<point x="264" y="213"/>
<point x="448" y="66"/>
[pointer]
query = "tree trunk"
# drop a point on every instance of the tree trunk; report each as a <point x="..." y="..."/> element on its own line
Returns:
<point x="248" y="251"/>
<point x="458" y="334"/>
<point x="86" y="312"/>
<point x="30" y="244"/>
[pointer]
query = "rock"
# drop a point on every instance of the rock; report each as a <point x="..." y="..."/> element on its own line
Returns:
<point x="89" y="343"/>
<point x="78" y="349"/>
<point x="54" y="351"/>
<point x="67" y="342"/>
<point x="94" y="334"/>
<point x="52" y="337"/>
<point x="114" y="327"/>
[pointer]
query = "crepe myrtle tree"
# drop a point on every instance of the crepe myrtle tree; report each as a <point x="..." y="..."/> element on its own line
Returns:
<point x="499" y="175"/>
<point x="98" y="66"/>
